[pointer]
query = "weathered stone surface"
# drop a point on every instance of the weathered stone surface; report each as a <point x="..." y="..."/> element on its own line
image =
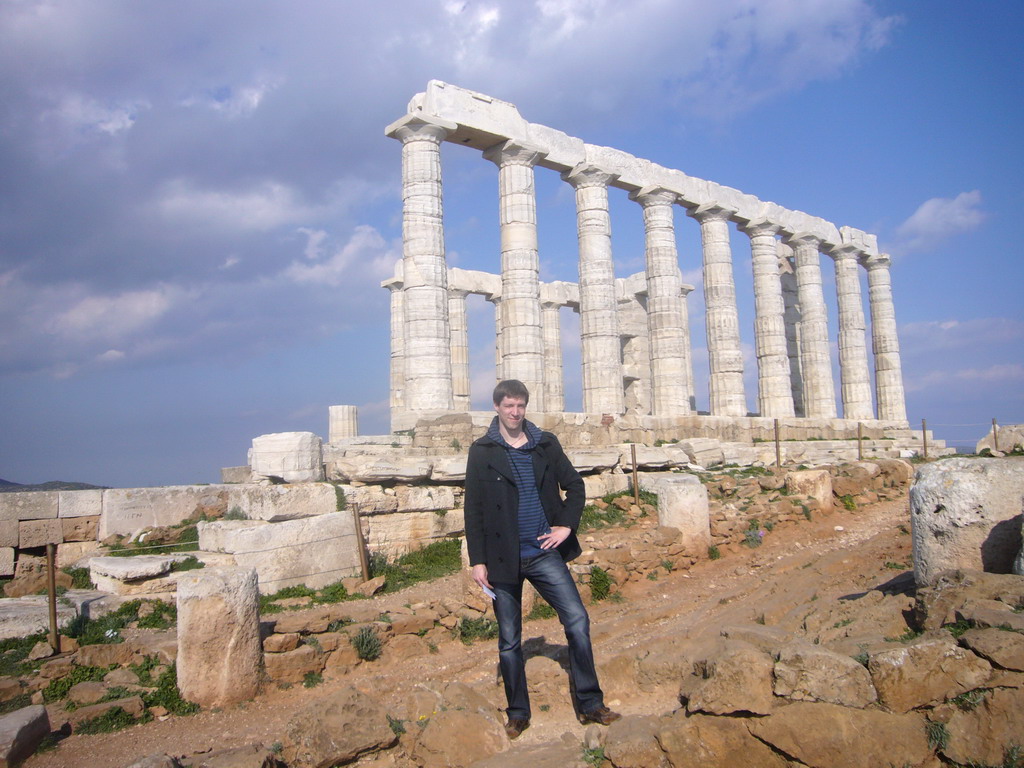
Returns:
<point x="457" y="739"/>
<point x="984" y="734"/>
<point x="274" y="503"/>
<point x="28" y="505"/>
<point x="80" y="528"/>
<point x="632" y="743"/>
<point x="647" y="457"/>
<point x="335" y="730"/>
<point x="279" y="643"/>
<point x="9" y="533"/>
<point x="375" y="469"/>
<point x="293" y="666"/>
<point x="703" y="451"/>
<point x="107" y="654"/>
<point x="991" y="613"/>
<point x="9" y="688"/>
<point x="315" y="551"/>
<point x="295" y="457"/>
<point x="557" y="754"/>
<point x="157" y="760"/>
<point x="133" y="705"/>
<point x="682" y="504"/>
<point x="1003" y="649"/>
<point x="249" y="756"/>
<point x="129" y="510"/>
<point x="449" y="469"/>
<point x="424" y="498"/>
<point x="1010" y="437"/>
<point x="951" y="592"/>
<point x="829" y="736"/>
<point x="965" y="513"/>
<point x="596" y="486"/>
<point x="71" y="554"/>
<point x="219" y="652"/>
<point x="39" y="533"/>
<point x="805" y="672"/>
<point x="927" y="672"/>
<point x="30" y="577"/>
<point x="132" y="568"/>
<point x="593" y="460"/>
<point x="6" y="561"/>
<point x="20" y="733"/>
<point x="816" y="483"/>
<point x="86" y="693"/>
<point x="87" y="503"/>
<point x="699" y="741"/>
<point x="736" y="679"/>
<point x="401" y="532"/>
<point x="370" y="499"/>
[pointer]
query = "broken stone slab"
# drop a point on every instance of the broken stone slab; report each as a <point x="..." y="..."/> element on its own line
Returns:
<point x="335" y="730"/>
<point x="133" y="705"/>
<point x="965" y="514"/>
<point x="6" y="561"/>
<point x="703" y="451"/>
<point x="295" y="457"/>
<point x="587" y="461"/>
<point x="424" y="498"/>
<point x="738" y="678"/>
<point x="1003" y="649"/>
<point x="985" y="734"/>
<point x="596" y="486"/>
<point x="274" y="503"/>
<point x="1010" y="438"/>
<point x="75" y="554"/>
<point x="682" y="504"/>
<point x="39" y="533"/>
<point x="632" y="740"/>
<point x="370" y="499"/>
<point x="315" y="551"/>
<point x="28" y="505"/>
<point x="806" y="672"/>
<point x="220" y="656"/>
<point x="126" y="511"/>
<point x="80" y="528"/>
<point x="646" y="457"/>
<point x="9" y="534"/>
<point x="24" y="616"/>
<point x="953" y="592"/>
<point x="705" y="740"/>
<point x="403" y="532"/>
<point x="816" y="483"/>
<point x="376" y="469"/>
<point x="925" y="673"/>
<point x="21" y="732"/>
<point x="134" y="568"/>
<point x="449" y="470"/>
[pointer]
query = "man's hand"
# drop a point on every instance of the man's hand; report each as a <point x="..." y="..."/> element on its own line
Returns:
<point x="480" y="575"/>
<point x="556" y="536"/>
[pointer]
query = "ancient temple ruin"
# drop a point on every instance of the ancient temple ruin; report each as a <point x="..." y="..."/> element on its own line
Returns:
<point x="637" y="368"/>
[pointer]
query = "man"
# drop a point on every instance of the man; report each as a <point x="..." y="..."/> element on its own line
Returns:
<point x="519" y="528"/>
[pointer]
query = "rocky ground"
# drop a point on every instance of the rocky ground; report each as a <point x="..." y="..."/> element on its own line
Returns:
<point x="835" y="578"/>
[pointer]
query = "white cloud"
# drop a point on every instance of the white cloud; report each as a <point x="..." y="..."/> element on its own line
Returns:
<point x="110" y="356"/>
<point x="236" y="101"/>
<point x="259" y="208"/>
<point x="113" y="317"/>
<point x="87" y="115"/>
<point x="939" y="219"/>
<point x="975" y="333"/>
<point x="365" y="250"/>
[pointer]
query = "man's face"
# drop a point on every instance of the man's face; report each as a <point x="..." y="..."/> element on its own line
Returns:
<point x="511" y="412"/>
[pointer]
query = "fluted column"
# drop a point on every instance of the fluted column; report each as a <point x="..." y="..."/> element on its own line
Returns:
<point x="522" y="340"/>
<point x="670" y="395"/>
<point x="554" y="386"/>
<point x="499" y="367"/>
<point x="397" y="400"/>
<point x="787" y="276"/>
<point x="460" y="348"/>
<point x="599" y="330"/>
<point x="884" y="341"/>
<point x="684" y="291"/>
<point x="428" y="369"/>
<point x="774" y="394"/>
<point x="723" y="328"/>
<point x="815" y="360"/>
<point x="854" y="376"/>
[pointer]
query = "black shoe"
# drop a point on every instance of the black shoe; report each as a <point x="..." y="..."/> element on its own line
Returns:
<point x="515" y="726"/>
<point x="602" y="716"/>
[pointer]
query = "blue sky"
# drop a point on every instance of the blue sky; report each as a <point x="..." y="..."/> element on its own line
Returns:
<point x="197" y="203"/>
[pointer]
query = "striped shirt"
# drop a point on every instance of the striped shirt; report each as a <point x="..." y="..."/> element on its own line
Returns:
<point x="532" y="520"/>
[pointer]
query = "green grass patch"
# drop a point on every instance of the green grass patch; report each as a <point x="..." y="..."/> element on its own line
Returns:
<point x="367" y="644"/>
<point x="714" y="553"/>
<point x="482" y="628"/>
<point x="190" y="563"/>
<point x="80" y="578"/>
<point x="541" y="610"/>
<point x="600" y="583"/>
<point x="848" y="503"/>
<point x="14" y="652"/>
<point x="312" y="679"/>
<point x="958" y="628"/>
<point x="594" y="518"/>
<point x="114" y="719"/>
<point x="58" y="689"/>
<point x="938" y="735"/>
<point x="168" y="696"/>
<point x="431" y="562"/>
<point x="107" y="629"/>
<point x="19" y="701"/>
<point x="969" y="700"/>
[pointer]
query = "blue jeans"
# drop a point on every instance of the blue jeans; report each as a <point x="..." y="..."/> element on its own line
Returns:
<point x="552" y="580"/>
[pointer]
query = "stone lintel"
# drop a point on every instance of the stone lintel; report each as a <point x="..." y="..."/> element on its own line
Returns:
<point x="418" y="124"/>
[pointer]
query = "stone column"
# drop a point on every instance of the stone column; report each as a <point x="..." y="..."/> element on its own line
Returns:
<point x="343" y="422"/>
<point x="670" y="393"/>
<point x="774" y="394"/>
<point x="884" y="341"/>
<point x="554" y="386"/>
<point x="684" y="291"/>
<point x="815" y="360"/>
<point x="599" y="331"/>
<point x="460" y="348"/>
<point x="787" y="276"/>
<point x="854" y="376"/>
<point x="397" y="399"/>
<point x="499" y="366"/>
<point x="723" y="328"/>
<point x="428" y="368"/>
<point x="522" y="340"/>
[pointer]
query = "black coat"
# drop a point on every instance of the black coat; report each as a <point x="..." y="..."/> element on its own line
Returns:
<point x="492" y="503"/>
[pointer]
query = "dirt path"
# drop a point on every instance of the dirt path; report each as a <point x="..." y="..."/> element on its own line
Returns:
<point x="800" y="568"/>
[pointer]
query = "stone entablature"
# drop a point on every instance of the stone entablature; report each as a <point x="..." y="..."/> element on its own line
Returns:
<point x="654" y="375"/>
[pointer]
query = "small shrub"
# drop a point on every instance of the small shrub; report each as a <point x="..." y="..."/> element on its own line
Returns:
<point x="80" y="578"/>
<point x="455" y="445"/>
<point x="600" y="583"/>
<point x="593" y="756"/>
<point x="337" y="624"/>
<point x="752" y="538"/>
<point x="161" y="616"/>
<point x="235" y="513"/>
<point x="332" y="593"/>
<point x="652" y="576"/>
<point x="862" y="658"/>
<point x="541" y="610"/>
<point x="168" y="696"/>
<point x="668" y="565"/>
<point x="397" y="726"/>
<point x="806" y="511"/>
<point x="431" y="562"/>
<point x="714" y="553"/>
<point x="482" y="628"/>
<point x="848" y="503"/>
<point x="190" y="563"/>
<point x="906" y="637"/>
<point x="367" y="644"/>
<point x="312" y="679"/>
<point x="114" y="719"/>
<point x="341" y="503"/>
<point x="594" y="518"/>
<point x="970" y="699"/>
<point x="938" y="735"/>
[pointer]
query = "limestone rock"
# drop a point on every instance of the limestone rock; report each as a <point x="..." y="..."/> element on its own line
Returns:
<point x="951" y="592"/>
<point x="632" y="743"/>
<point x="249" y="756"/>
<point x="315" y="551"/>
<point x="737" y="679"/>
<point x="1011" y="438"/>
<point x="703" y="451"/>
<point x="295" y="457"/>
<point x="587" y="461"/>
<point x="457" y="739"/>
<point x="274" y="503"/>
<point x="133" y="568"/>
<point x="965" y="514"/>
<point x="558" y="754"/>
<point x="423" y="498"/>
<point x="293" y="666"/>
<point x="20" y="733"/>
<point x="220" y="658"/>
<point x="88" y="503"/>
<point x="700" y="741"/>
<point x="30" y="578"/>
<point x="335" y="730"/>
<point x="370" y="499"/>
<point x="984" y="734"/>
<point x="87" y="693"/>
<point x="1003" y="649"/>
<point x="39" y="533"/>
<point x="80" y="528"/>
<point x="76" y="554"/>
<point x="805" y="672"/>
<point x="816" y="483"/>
<point x="28" y="505"/>
<point x="126" y="511"/>
<point x="449" y="470"/>
<point x="376" y="469"/>
<point x="682" y="504"/>
<point x="133" y="705"/>
<point x="157" y="760"/>
<point x="927" y="672"/>
<point x="829" y="736"/>
<point x="403" y="532"/>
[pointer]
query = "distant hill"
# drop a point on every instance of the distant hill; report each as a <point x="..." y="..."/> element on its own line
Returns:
<point x="6" y="486"/>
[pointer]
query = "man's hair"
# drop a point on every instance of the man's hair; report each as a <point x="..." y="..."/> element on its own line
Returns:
<point x="511" y="388"/>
